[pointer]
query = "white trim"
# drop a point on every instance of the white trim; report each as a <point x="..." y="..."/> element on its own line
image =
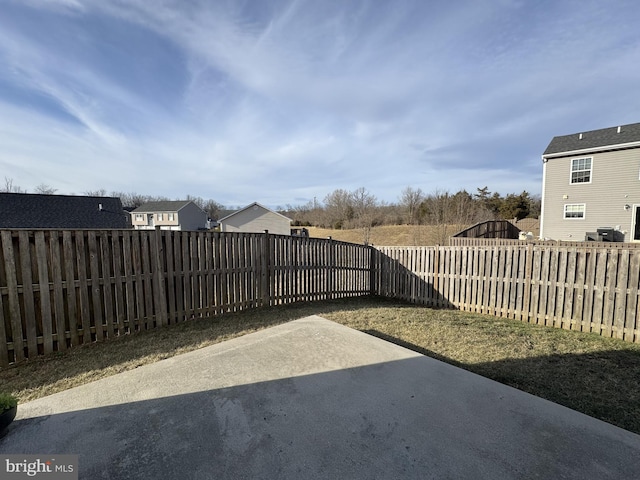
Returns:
<point x="571" y="171"/>
<point x="620" y="146"/>
<point x="584" y="211"/>
<point x="632" y="232"/>
<point x="544" y="183"/>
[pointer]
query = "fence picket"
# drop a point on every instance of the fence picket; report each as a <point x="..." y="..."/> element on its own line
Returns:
<point x="45" y="293"/>
<point x="28" y="298"/>
<point x="14" y="301"/>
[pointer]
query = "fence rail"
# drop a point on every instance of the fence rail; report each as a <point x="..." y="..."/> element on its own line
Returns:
<point x="59" y="289"/>
<point x="492" y="242"/>
<point x="590" y="289"/>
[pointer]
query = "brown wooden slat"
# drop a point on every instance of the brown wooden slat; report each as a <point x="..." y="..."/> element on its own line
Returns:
<point x="83" y="289"/>
<point x="631" y="318"/>
<point x="15" y="315"/>
<point x="560" y="288"/>
<point x="582" y="294"/>
<point x="128" y="271"/>
<point x="149" y="321"/>
<point x="118" y="287"/>
<point x="158" y="272"/>
<point x="58" y="295"/>
<point x="598" y="298"/>
<point x="107" y="285"/>
<point x="45" y="294"/>
<point x="179" y="276"/>
<point x="29" y="319"/>
<point x="4" y="348"/>
<point x="70" y="284"/>
<point x="96" y="288"/>
<point x="622" y="287"/>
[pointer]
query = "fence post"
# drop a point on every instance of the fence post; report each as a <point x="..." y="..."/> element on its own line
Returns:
<point x="265" y="270"/>
<point x="436" y="275"/>
<point x="331" y="268"/>
<point x="373" y="271"/>
<point x="159" y="298"/>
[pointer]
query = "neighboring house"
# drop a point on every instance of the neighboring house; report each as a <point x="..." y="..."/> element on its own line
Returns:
<point x="591" y="185"/>
<point x="255" y="218"/>
<point x="169" y="215"/>
<point x="29" y="210"/>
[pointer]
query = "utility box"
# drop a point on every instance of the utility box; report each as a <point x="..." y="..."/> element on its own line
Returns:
<point x="592" y="237"/>
<point x="607" y="234"/>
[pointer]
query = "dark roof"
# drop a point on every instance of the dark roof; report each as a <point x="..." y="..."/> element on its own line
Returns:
<point x="166" y="206"/>
<point x="595" y="139"/>
<point x="28" y="210"/>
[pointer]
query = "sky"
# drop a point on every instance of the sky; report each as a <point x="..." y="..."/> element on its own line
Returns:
<point x="281" y="102"/>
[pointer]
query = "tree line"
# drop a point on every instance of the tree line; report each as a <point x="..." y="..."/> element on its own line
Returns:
<point x="343" y="209"/>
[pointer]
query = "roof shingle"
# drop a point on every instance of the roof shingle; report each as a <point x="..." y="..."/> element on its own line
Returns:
<point x="28" y="210"/>
<point x="594" y="139"/>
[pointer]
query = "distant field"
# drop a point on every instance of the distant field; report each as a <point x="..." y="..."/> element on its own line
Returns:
<point x="403" y="235"/>
<point x="392" y="235"/>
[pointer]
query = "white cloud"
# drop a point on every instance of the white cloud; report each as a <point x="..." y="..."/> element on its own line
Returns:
<point x="282" y="100"/>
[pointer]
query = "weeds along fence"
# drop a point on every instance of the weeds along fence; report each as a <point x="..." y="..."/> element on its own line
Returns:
<point x="587" y="288"/>
<point x="59" y="289"/>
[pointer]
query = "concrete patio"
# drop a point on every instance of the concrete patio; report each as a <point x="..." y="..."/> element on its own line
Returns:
<point x="312" y="399"/>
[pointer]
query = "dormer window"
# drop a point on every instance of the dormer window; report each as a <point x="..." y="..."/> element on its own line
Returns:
<point x="581" y="170"/>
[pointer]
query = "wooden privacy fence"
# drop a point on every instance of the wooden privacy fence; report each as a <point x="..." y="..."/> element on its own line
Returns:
<point x="590" y="289"/>
<point x="59" y="289"/>
<point x="493" y="242"/>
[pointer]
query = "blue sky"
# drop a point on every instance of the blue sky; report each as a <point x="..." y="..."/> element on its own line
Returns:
<point x="283" y="101"/>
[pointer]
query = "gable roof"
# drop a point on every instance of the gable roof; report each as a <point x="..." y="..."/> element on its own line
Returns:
<point x="612" y="138"/>
<point x="252" y="205"/>
<point x="166" y="206"/>
<point x="29" y="210"/>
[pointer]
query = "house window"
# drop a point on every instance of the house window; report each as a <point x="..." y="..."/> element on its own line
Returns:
<point x="574" y="211"/>
<point x="139" y="217"/>
<point x="581" y="170"/>
<point x="170" y="217"/>
<point x="160" y="217"/>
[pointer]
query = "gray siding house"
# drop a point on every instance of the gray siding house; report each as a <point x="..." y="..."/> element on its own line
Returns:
<point x="169" y="215"/>
<point x="255" y="218"/>
<point x="591" y="181"/>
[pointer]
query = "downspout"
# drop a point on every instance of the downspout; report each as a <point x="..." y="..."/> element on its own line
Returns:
<point x="544" y="180"/>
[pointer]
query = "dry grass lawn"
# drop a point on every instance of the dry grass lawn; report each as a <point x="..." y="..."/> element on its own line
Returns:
<point x="591" y="374"/>
<point x="392" y="235"/>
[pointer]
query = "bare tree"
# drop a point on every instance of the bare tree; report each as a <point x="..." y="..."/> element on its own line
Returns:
<point x="45" y="189"/>
<point x="9" y="187"/>
<point x="411" y="199"/>
<point x="213" y="208"/>
<point x="338" y="208"/>
<point x="101" y="192"/>
<point x="364" y="208"/>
